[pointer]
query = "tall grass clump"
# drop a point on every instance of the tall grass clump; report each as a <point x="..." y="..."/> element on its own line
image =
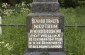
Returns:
<point x="13" y="38"/>
<point x="74" y="36"/>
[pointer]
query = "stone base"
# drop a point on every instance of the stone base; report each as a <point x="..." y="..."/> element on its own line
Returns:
<point x="45" y="53"/>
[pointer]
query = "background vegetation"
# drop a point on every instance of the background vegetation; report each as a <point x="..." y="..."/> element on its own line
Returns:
<point x="13" y="39"/>
<point x="64" y="3"/>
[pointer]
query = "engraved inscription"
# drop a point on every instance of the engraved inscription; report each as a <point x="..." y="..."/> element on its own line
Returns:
<point x="45" y="33"/>
<point x="45" y="20"/>
<point x="45" y="26"/>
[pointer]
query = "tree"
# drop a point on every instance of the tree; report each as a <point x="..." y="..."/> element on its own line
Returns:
<point x="61" y="2"/>
<point x="70" y="3"/>
<point x="13" y="2"/>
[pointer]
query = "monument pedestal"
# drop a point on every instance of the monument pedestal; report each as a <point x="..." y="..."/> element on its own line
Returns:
<point x="45" y="53"/>
<point x="45" y="27"/>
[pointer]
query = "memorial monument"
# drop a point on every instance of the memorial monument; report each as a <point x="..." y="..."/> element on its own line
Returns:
<point x="45" y="29"/>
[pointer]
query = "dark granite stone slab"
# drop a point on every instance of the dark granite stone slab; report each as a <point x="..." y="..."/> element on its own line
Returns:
<point x="28" y="23"/>
<point x="45" y="53"/>
<point x="45" y="0"/>
<point x="45" y="14"/>
<point x="45" y="49"/>
<point x="61" y="24"/>
<point x="45" y="7"/>
<point x="48" y="15"/>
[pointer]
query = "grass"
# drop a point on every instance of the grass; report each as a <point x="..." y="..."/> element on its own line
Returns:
<point x="13" y="39"/>
<point x="14" y="36"/>
<point x="74" y="36"/>
<point x="74" y="16"/>
<point x="74" y="40"/>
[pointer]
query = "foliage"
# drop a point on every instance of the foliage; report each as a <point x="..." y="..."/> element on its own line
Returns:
<point x="13" y="2"/>
<point x="63" y="3"/>
<point x="74" y="16"/>
<point x="8" y="10"/>
<point x="70" y="3"/>
<point x="74" y="36"/>
<point x="82" y="3"/>
<point x="13" y="41"/>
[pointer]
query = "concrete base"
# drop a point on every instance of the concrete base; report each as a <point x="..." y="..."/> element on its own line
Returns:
<point x="45" y="53"/>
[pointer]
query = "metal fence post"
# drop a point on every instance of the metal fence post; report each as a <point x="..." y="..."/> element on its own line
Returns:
<point x="0" y="26"/>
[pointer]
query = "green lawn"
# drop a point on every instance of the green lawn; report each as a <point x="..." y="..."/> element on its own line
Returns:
<point x="74" y="36"/>
<point x="13" y="39"/>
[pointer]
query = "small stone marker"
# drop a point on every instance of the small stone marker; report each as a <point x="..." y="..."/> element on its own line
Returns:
<point x="45" y="28"/>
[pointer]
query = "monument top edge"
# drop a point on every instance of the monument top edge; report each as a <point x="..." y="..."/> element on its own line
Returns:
<point x="45" y="0"/>
<point x="45" y="14"/>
